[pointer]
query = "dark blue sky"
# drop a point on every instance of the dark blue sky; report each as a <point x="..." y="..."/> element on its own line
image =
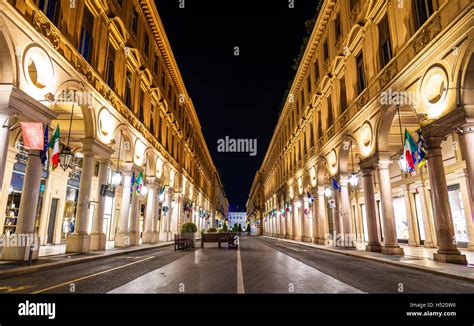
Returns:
<point x="236" y="96"/>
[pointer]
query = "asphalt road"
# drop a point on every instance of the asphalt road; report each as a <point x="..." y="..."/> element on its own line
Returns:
<point x="261" y="265"/>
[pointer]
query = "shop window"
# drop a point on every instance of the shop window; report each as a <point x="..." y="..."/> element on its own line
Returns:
<point x="364" y="222"/>
<point x="419" y="217"/>
<point x="401" y="220"/>
<point x="458" y="214"/>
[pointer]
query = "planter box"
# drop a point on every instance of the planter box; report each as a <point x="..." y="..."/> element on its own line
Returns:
<point x="191" y="237"/>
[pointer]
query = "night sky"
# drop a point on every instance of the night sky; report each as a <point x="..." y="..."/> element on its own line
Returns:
<point x="236" y="96"/>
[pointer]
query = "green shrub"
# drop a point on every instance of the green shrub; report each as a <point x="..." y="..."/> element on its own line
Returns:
<point x="188" y="227"/>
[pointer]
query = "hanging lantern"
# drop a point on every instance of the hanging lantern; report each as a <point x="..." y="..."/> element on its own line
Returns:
<point x="354" y="179"/>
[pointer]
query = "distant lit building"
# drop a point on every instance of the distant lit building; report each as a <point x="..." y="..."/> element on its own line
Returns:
<point x="237" y="218"/>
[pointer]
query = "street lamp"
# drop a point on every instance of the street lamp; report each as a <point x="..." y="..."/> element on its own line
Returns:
<point x="66" y="155"/>
<point x="116" y="178"/>
<point x="327" y="192"/>
<point x="354" y="178"/>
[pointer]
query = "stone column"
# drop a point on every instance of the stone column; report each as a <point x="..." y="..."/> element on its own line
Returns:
<point x="79" y="240"/>
<point x="337" y="220"/>
<point x="348" y="235"/>
<point x="389" y="226"/>
<point x="122" y="238"/>
<point x="148" y="236"/>
<point x="371" y="216"/>
<point x="413" y="237"/>
<point x="447" y="250"/>
<point x="322" y="218"/>
<point x="25" y="227"/>
<point x="98" y="237"/>
<point x="314" y="218"/>
<point x="430" y="233"/>
<point x="134" y="218"/>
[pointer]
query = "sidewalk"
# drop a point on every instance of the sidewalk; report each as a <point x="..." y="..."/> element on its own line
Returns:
<point x="50" y="259"/>
<point x="419" y="258"/>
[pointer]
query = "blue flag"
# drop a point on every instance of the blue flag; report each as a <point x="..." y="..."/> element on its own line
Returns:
<point x="335" y="185"/>
<point x="44" y="152"/>
<point x="132" y="182"/>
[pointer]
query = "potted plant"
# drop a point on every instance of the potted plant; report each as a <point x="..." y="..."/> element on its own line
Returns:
<point x="188" y="231"/>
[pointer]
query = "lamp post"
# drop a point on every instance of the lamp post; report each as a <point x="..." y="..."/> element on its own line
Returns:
<point x="66" y="155"/>
<point x="117" y="175"/>
<point x="353" y="178"/>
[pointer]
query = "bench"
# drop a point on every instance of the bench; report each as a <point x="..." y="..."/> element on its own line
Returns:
<point x="181" y="243"/>
<point x="219" y="238"/>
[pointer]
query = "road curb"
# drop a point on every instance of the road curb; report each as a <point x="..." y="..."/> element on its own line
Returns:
<point x="18" y="271"/>
<point x="381" y="260"/>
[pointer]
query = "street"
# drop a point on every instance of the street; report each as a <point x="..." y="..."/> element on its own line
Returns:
<point x="261" y="265"/>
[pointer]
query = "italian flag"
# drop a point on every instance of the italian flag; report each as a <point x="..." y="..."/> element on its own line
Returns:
<point x="139" y="183"/>
<point x="409" y="150"/>
<point x="54" y="144"/>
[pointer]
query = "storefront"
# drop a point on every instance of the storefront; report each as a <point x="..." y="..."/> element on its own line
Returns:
<point x="15" y="191"/>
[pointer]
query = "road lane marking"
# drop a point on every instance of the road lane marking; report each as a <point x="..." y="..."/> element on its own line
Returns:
<point x="90" y="276"/>
<point x="240" y="277"/>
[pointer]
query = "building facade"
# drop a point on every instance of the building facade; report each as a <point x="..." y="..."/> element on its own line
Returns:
<point x="236" y="218"/>
<point x="105" y="74"/>
<point x="334" y="172"/>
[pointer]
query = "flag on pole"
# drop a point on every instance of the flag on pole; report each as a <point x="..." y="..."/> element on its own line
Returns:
<point x="44" y="151"/>
<point x="421" y="153"/>
<point x="32" y="133"/>
<point x="139" y="183"/>
<point x="54" y="144"/>
<point x="132" y="181"/>
<point x="162" y="190"/>
<point x="335" y="184"/>
<point x="409" y="150"/>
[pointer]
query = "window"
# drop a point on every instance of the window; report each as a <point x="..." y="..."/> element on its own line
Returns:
<point x="146" y="45"/>
<point x="51" y="9"/>
<point x="134" y="22"/>
<point x="423" y="10"/>
<point x="384" y="42"/>
<point x="86" y="42"/>
<point x="325" y="50"/>
<point x="109" y="78"/>
<point x="152" y="121"/>
<point x="361" y="82"/>
<point x="316" y="70"/>
<point x="141" y="107"/>
<point x="330" y="118"/>
<point x="308" y="85"/>
<point x="337" y="26"/>
<point x="343" y="94"/>
<point x="128" y="89"/>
